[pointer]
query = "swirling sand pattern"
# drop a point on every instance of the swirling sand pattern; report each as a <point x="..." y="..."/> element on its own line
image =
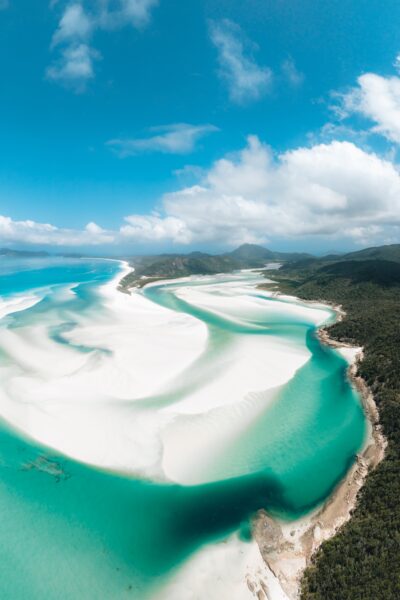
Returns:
<point x="139" y="432"/>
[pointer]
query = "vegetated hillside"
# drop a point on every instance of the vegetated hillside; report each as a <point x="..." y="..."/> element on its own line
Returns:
<point x="389" y="252"/>
<point x="305" y="266"/>
<point x="252" y="253"/>
<point x="190" y="264"/>
<point x="247" y="256"/>
<point x="362" y="562"/>
<point x="171" y="266"/>
<point x="253" y="256"/>
<point x="381" y="272"/>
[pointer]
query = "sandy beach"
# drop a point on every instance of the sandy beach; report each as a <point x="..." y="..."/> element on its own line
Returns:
<point x="17" y="303"/>
<point x="231" y="569"/>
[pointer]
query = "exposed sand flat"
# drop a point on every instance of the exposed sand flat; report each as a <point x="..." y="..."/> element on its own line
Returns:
<point x="247" y="375"/>
<point x="100" y="406"/>
<point x="249" y="364"/>
<point x="234" y="301"/>
<point x="33" y="351"/>
<point x="205" y="436"/>
<point x="149" y="346"/>
<point x="229" y="570"/>
<point x="73" y="401"/>
<point x="17" y="303"/>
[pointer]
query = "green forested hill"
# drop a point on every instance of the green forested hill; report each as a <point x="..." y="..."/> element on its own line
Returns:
<point x="247" y="256"/>
<point x="389" y="252"/>
<point x="380" y="272"/>
<point x="171" y="266"/>
<point x="252" y="255"/>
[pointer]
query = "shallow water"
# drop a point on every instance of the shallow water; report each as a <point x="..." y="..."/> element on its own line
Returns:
<point x="70" y="530"/>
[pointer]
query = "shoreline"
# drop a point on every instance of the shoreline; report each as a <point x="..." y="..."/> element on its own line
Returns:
<point x="288" y="548"/>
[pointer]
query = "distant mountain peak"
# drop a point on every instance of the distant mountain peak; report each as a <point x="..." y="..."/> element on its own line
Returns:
<point x="246" y="251"/>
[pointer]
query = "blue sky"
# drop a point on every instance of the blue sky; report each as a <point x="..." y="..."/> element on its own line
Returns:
<point x="125" y="124"/>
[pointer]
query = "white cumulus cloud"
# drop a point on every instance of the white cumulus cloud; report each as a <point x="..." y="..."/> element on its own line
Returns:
<point x="154" y="228"/>
<point x="377" y="99"/>
<point x="327" y="191"/>
<point x="32" y="232"/>
<point x="335" y="190"/>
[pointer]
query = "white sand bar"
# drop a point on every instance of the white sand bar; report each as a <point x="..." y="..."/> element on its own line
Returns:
<point x="141" y="388"/>
<point x="231" y="570"/>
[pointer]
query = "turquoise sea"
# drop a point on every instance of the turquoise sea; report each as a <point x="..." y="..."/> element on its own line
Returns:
<point x="72" y="531"/>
